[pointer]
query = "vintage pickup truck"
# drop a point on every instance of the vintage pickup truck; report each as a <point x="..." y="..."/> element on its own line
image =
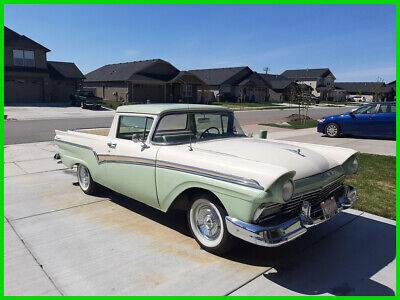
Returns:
<point x="197" y="158"/>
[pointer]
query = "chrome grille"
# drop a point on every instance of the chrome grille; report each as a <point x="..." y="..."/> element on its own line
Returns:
<point x="315" y="197"/>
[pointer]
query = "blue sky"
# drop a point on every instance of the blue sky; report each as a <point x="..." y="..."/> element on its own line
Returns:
<point x="357" y="42"/>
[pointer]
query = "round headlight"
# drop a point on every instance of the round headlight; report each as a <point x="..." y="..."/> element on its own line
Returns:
<point x="321" y="120"/>
<point x="354" y="165"/>
<point x="287" y="190"/>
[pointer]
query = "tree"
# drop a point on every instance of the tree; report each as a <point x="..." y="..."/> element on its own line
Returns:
<point x="266" y="69"/>
<point x="378" y="89"/>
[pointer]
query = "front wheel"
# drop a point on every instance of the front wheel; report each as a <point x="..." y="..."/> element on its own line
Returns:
<point x="332" y="130"/>
<point x="88" y="186"/>
<point x="206" y="220"/>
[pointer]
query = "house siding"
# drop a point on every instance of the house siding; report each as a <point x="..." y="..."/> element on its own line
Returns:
<point x="109" y="91"/>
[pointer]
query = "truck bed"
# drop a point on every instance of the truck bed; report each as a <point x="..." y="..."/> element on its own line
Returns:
<point x="96" y="131"/>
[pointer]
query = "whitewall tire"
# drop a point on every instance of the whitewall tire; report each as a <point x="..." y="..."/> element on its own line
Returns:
<point x="86" y="183"/>
<point x="206" y="220"/>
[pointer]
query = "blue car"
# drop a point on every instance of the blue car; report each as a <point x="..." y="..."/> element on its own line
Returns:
<point x="370" y="120"/>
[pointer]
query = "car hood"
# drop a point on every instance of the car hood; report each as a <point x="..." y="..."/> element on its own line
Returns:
<point x="259" y="159"/>
<point x="301" y="159"/>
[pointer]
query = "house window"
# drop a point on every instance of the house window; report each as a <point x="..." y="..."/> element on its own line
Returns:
<point x="24" y="58"/>
<point x="186" y="90"/>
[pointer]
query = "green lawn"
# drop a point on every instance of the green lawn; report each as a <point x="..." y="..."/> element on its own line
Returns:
<point x="376" y="185"/>
<point x="113" y="105"/>
<point x="295" y="124"/>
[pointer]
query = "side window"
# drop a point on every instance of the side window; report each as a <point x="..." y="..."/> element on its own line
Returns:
<point x="383" y="109"/>
<point x="387" y="109"/>
<point x="367" y="109"/>
<point x="133" y="125"/>
<point x="173" y="128"/>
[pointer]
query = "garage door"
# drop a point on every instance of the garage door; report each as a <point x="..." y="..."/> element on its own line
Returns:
<point x="61" y="90"/>
<point x="23" y="90"/>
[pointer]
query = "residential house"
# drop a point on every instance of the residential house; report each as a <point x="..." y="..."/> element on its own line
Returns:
<point x="29" y="77"/>
<point x="368" y="91"/>
<point x="65" y="79"/>
<point x="280" y="87"/>
<point x="391" y="91"/>
<point x="152" y="80"/>
<point x="232" y="84"/>
<point x="322" y="81"/>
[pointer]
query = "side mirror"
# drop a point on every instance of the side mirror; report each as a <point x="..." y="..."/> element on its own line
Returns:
<point x="136" y="138"/>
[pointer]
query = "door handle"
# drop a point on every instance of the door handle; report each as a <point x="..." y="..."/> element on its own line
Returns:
<point x="111" y="145"/>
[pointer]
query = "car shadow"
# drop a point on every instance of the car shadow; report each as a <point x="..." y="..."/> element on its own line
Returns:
<point x="343" y="263"/>
<point x="330" y="258"/>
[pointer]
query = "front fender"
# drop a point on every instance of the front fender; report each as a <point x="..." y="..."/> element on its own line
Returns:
<point x="239" y="201"/>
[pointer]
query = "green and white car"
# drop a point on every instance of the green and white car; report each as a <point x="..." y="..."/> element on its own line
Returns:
<point x="196" y="158"/>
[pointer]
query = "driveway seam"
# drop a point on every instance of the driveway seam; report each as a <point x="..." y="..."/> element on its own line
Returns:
<point x="35" y="172"/>
<point x="248" y="281"/>
<point x="34" y="257"/>
<point x="57" y="210"/>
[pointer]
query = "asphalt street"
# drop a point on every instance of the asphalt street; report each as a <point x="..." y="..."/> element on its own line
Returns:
<point x="30" y="131"/>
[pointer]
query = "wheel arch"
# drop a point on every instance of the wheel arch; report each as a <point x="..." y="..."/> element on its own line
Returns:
<point x="182" y="200"/>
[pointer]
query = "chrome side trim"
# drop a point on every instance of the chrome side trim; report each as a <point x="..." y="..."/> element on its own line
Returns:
<point x="73" y="144"/>
<point x="210" y="174"/>
<point x="106" y="158"/>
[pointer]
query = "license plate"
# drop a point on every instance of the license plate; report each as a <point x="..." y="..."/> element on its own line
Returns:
<point x="329" y="208"/>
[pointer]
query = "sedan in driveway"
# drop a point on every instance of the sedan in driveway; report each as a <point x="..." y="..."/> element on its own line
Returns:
<point x="370" y="120"/>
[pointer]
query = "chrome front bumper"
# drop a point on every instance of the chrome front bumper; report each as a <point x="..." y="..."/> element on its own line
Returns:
<point x="289" y="230"/>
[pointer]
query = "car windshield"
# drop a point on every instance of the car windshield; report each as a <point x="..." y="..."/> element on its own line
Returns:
<point x="86" y="93"/>
<point x="179" y="128"/>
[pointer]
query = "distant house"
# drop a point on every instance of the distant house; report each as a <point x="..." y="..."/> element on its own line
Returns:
<point x="391" y="91"/>
<point x="155" y="80"/>
<point x="321" y="80"/>
<point x="29" y="77"/>
<point x="232" y="84"/>
<point x="65" y="79"/>
<point x="368" y="91"/>
<point x="280" y="86"/>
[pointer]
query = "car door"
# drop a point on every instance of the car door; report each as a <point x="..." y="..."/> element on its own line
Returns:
<point x="131" y="164"/>
<point x="386" y="120"/>
<point x="361" y="122"/>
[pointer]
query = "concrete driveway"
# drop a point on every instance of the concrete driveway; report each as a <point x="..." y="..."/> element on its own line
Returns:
<point x="59" y="241"/>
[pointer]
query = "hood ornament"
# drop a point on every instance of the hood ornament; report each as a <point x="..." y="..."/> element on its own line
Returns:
<point x="296" y="152"/>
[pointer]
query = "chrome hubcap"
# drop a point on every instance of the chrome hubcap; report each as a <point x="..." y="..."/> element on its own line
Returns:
<point x="83" y="174"/>
<point x="207" y="221"/>
<point x="331" y="130"/>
